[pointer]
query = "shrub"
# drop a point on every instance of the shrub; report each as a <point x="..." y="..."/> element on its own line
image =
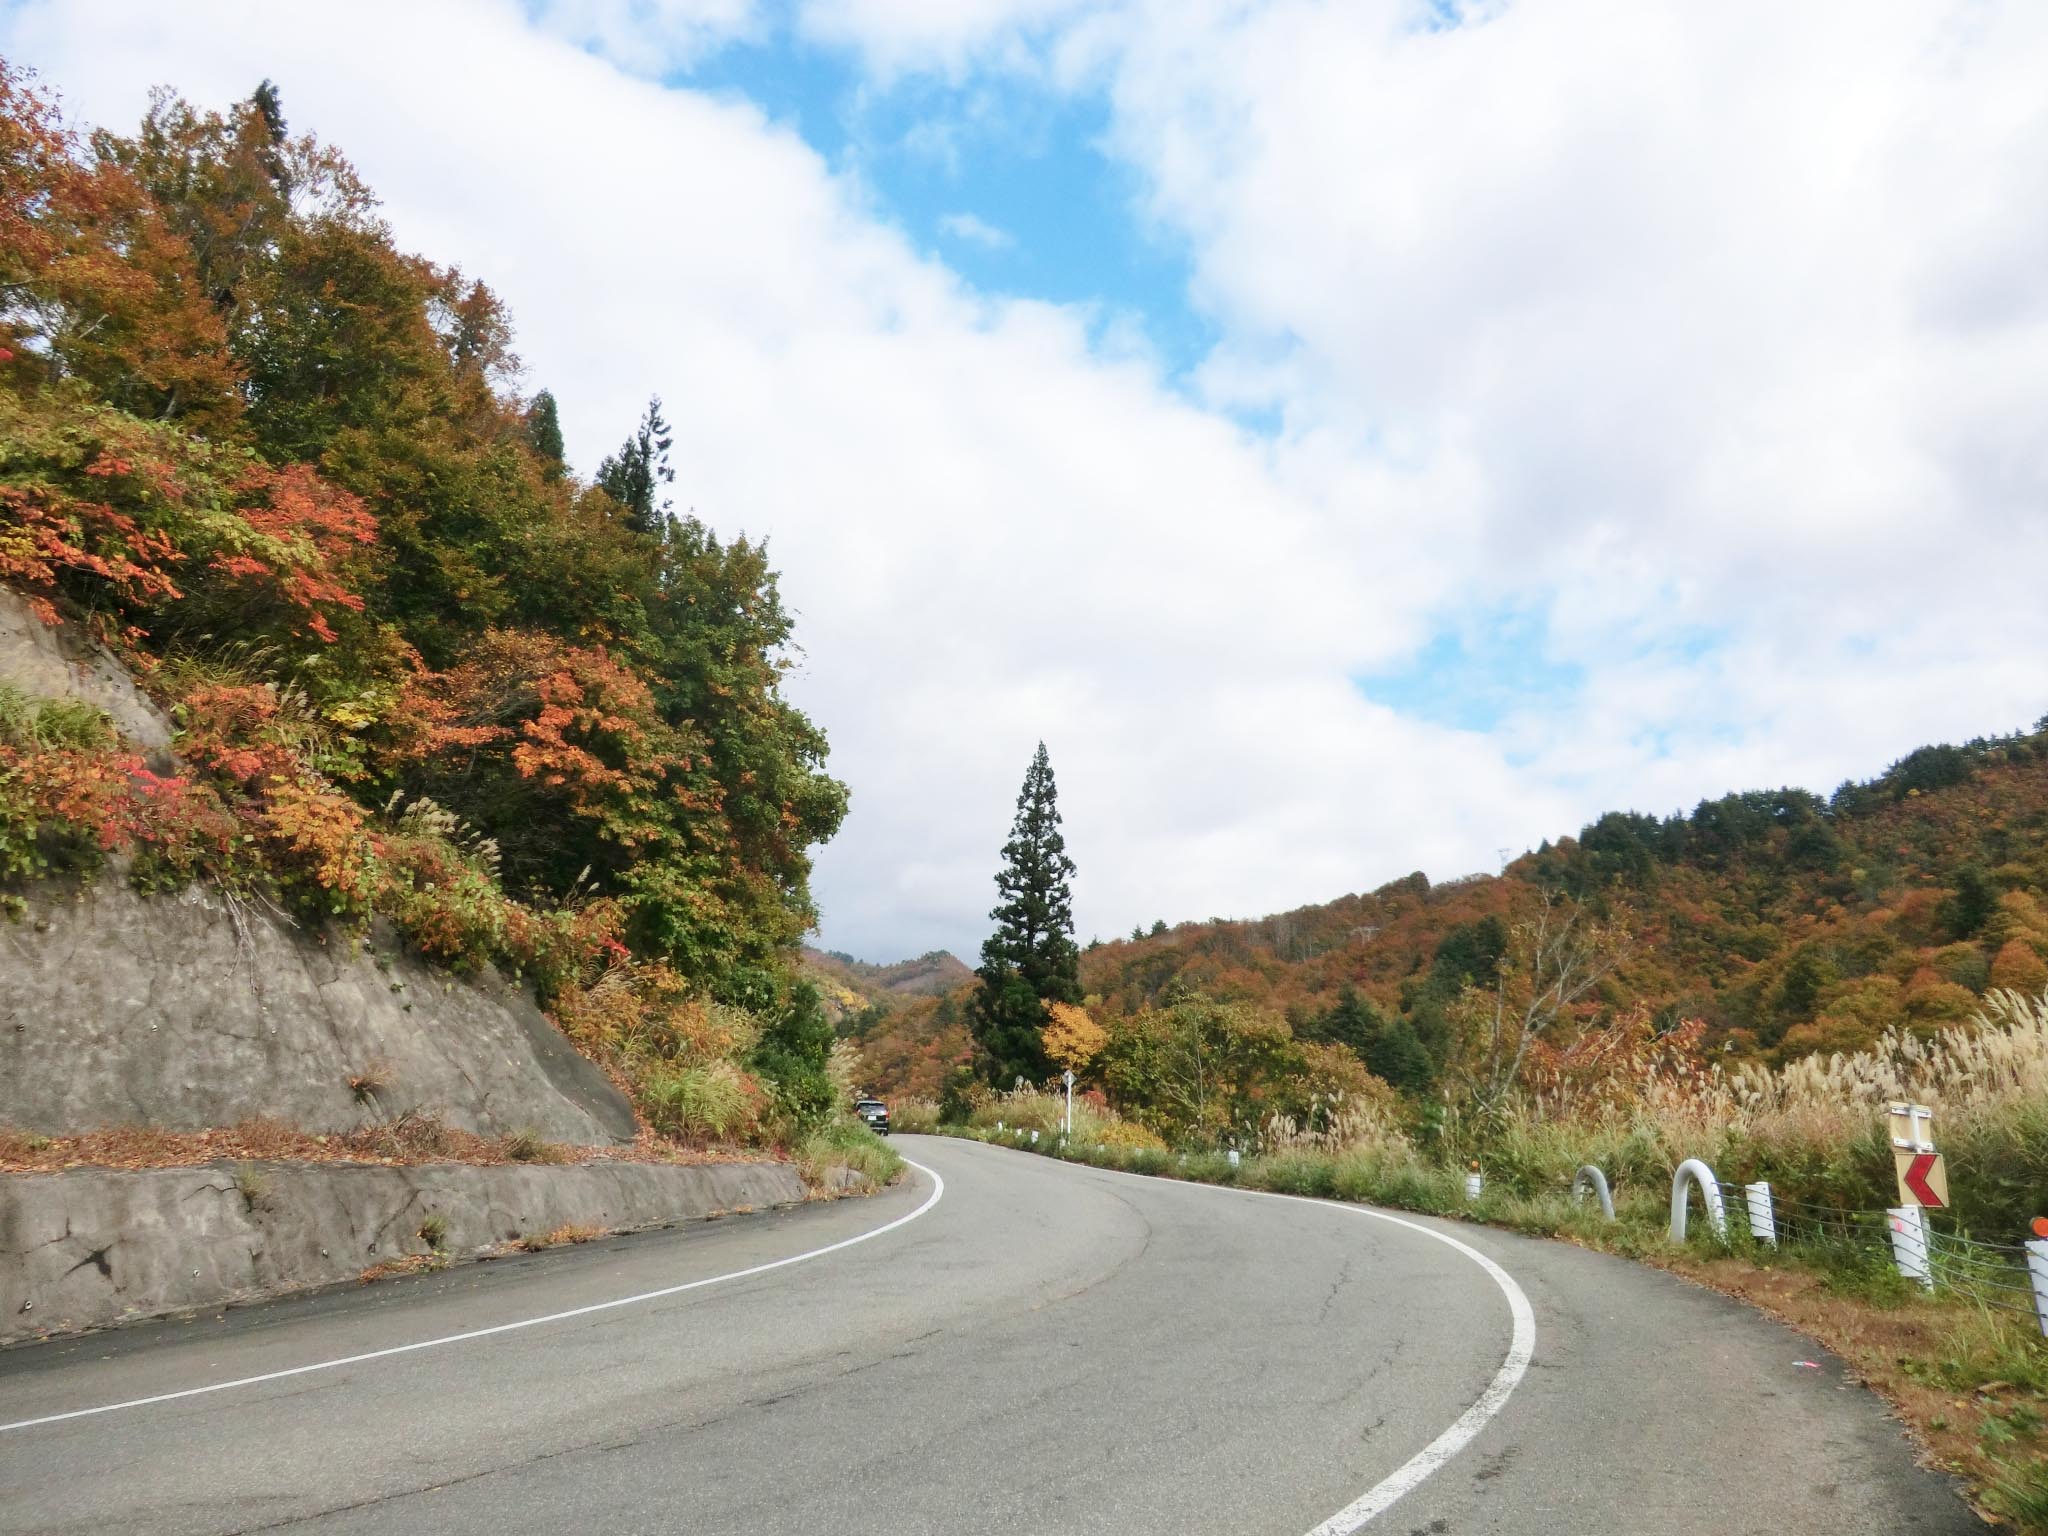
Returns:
<point x="712" y="1102"/>
<point x="847" y="1144"/>
<point x="914" y="1116"/>
<point x="527" y="1147"/>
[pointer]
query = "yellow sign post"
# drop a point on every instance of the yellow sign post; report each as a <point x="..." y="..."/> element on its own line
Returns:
<point x="1923" y="1177"/>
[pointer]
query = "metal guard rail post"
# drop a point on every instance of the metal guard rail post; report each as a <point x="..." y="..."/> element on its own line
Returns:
<point x="1710" y="1191"/>
<point x="1592" y="1178"/>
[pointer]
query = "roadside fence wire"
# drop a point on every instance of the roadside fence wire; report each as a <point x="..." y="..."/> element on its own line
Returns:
<point x="1993" y="1275"/>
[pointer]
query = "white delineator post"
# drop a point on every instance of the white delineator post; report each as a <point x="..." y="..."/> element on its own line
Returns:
<point x="2037" y="1269"/>
<point x="1763" y="1225"/>
<point x="1474" y="1183"/>
<point x="1909" y="1244"/>
<point x="1067" y="1129"/>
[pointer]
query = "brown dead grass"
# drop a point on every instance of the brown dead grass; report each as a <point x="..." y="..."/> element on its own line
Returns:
<point x="568" y="1232"/>
<point x="404" y="1264"/>
<point x="408" y="1139"/>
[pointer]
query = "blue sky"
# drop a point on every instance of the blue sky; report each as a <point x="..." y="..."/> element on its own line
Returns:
<point x="1047" y="213"/>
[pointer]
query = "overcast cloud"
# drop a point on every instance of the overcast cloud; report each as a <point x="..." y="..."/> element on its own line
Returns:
<point x="1681" y="368"/>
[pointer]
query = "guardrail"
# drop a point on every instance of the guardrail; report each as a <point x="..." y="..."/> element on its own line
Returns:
<point x="2007" y="1277"/>
<point x="1592" y="1179"/>
<point x="1693" y="1171"/>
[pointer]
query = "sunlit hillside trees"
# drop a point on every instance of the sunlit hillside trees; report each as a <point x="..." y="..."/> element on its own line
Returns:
<point x="419" y="668"/>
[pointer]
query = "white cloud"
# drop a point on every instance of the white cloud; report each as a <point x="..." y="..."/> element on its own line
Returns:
<point x="965" y="226"/>
<point x="1726" y="321"/>
<point x="1716" y="334"/>
<point x="648" y="37"/>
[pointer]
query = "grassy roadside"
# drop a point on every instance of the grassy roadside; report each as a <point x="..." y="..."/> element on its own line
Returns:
<point x="1971" y="1384"/>
<point x="847" y="1145"/>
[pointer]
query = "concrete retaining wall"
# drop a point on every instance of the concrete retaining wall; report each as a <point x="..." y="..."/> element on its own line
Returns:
<point x="95" y="1246"/>
<point x="178" y="1012"/>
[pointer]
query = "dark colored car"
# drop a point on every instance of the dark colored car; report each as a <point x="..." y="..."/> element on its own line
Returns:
<point x="875" y="1113"/>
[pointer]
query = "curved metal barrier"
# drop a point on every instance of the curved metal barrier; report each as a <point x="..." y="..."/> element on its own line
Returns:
<point x="1592" y="1178"/>
<point x="1710" y="1191"/>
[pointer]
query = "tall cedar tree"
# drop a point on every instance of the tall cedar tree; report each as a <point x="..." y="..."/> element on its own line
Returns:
<point x="1030" y="960"/>
<point x="544" y="433"/>
<point x="635" y="474"/>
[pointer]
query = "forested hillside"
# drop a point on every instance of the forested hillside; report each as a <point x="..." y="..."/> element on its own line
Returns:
<point x="852" y="987"/>
<point x="421" y="669"/>
<point x="1786" y="922"/>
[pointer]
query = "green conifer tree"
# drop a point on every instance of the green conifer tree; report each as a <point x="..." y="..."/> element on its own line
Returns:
<point x="633" y="476"/>
<point x="544" y="432"/>
<point x="1030" y="960"/>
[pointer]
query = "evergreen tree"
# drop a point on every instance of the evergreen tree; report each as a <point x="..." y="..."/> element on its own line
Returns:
<point x="544" y="432"/>
<point x="1353" y="1023"/>
<point x="635" y="474"/>
<point x="1395" y="1054"/>
<point x="269" y="106"/>
<point x="1030" y="960"/>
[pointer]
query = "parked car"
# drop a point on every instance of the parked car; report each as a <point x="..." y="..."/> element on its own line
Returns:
<point x="875" y="1113"/>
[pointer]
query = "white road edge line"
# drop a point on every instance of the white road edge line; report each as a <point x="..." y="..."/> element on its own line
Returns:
<point x="1404" y="1479"/>
<point x="938" y="1192"/>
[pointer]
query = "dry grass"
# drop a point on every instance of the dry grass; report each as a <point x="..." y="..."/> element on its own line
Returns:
<point x="406" y="1140"/>
<point x="1814" y="1128"/>
<point x="1998" y="1061"/>
<point x="914" y="1116"/>
<point x="404" y="1264"/>
<point x="1343" y="1125"/>
<point x="568" y="1232"/>
<point x="1035" y="1109"/>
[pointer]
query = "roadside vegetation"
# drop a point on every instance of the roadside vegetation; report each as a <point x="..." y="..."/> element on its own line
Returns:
<point x="420" y="669"/>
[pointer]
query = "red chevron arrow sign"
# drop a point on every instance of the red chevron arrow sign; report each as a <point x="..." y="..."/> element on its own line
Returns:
<point x="1923" y="1179"/>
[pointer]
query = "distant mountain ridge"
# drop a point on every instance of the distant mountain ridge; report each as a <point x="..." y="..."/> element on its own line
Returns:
<point x="1787" y="921"/>
<point x="852" y="986"/>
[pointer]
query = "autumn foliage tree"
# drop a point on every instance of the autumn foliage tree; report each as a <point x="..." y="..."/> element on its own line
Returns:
<point x="420" y="669"/>
<point x="1071" y="1038"/>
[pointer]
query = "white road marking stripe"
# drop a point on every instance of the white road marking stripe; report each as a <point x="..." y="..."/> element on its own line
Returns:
<point x="938" y="1191"/>
<point x="1410" y="1474"/>
<point x="1404" y="1479"/>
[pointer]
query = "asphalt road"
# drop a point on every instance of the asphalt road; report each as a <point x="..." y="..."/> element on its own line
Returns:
<point x="1046" y="1349"/>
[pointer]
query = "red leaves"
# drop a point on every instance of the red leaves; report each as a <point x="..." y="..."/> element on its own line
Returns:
<point x="571" y="721"/>
<point x="226" y="729"/>
<point x="43" y="539"/>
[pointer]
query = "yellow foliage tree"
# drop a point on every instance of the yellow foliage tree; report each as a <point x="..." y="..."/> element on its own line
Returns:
<point x="1071" y="1037"/>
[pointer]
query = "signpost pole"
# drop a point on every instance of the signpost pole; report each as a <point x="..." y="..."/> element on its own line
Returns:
<point x="1909" y="1244"/>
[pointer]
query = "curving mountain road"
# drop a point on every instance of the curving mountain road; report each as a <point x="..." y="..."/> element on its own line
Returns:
<point x="1042" y="1349"/>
